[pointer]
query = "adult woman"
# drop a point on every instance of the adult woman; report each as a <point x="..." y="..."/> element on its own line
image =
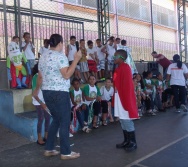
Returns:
<point x="54" y="74"/>
<point x="176" y="73"/>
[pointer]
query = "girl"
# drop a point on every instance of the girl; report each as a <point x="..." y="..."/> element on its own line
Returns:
<point x="107" y="92"/>
<point x="150" y="92"/>
<point x="93" y="97"/>
<point x="40" y="105"/>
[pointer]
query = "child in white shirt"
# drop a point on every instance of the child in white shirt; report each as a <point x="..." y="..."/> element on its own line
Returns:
<point x="29" y="49"/>
<point x="107" y="92"/>
<point x="44" y="48"/>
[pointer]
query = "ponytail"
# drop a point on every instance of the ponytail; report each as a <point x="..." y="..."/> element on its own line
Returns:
<point x="177" y="60"/>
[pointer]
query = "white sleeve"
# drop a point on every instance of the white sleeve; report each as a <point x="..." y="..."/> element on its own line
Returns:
<point x="169" y="70"/>
<point x="185" y="70"/>
<point x="102" y="90"/>
<point x="23" y="44"/>
<point x="62" y="61"/>
<point x="40" y="51"/>
<point x="112" y="92"/>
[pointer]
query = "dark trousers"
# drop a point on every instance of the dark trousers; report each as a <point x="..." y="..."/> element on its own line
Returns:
<point x="82" y="116"/>
<point x="149" y="103"/>
<point x="58" y="103"/>
<point x="179" y="95"/>
<point x="165" y="94"/>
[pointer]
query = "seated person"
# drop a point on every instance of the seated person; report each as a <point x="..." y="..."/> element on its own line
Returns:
<point x="93" y="98"/>
<point x="78" y="105"/>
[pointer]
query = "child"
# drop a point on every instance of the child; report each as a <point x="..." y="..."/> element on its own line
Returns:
<point x="137" y="93"/>
<point x="93" y="96"/>
<point x="83" y="61"/>
<point x="29" y="49"/>
<point x="110" y="49"/>
<point x="150" y="90"/>
<point x="107" y="92"/>
<point x="101" y="57"/>
<point x="78" y="105"/>
<point x="160" y="89"/>
<point x="44" y="48"/>
<point x="92" y="58"/>
<point x="38" y="102"/>
<point x="16" y="39"/>
<point x="125" y="103"/>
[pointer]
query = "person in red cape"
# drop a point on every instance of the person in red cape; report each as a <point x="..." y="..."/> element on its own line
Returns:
<point x="125" y="100"/>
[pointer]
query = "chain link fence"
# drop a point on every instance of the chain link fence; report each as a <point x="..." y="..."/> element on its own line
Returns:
<point x="129" y="19"/>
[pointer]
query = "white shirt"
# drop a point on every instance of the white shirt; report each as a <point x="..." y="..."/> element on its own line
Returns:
<point x="90" y="51"/>
<point x="92" y="93"/>
<point x="43" y="50"/>
<point x="72" y="51"/>
<point x="77" y="97"/>
<point x="99" y="53"/>
<point x="40" y="95"/>
<point x="106" y="95"/>
<point x="111" y="51"/>
<point x="177" y="75"/>
<point x="50" y="64"/>
<point x="28" y="51"/>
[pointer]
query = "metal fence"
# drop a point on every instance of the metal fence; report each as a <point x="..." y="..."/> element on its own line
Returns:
<point x="129" y="19"/>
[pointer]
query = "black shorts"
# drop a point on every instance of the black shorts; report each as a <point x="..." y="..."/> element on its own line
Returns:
<point x="96" y="108"/>
<point x="104" y="105"/>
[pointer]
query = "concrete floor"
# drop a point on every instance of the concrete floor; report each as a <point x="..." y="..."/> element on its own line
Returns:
<point x="162" y="142"/>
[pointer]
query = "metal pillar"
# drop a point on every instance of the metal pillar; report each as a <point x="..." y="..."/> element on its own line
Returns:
<point x="181" y="9"/>
<point x="152" y="27"/>
<point x="103" y="20"/>
<point x="19" y="23"/>
<point x="31" y="15"/>
<point x="5" y="25"/>
<point x="16" y="17"/>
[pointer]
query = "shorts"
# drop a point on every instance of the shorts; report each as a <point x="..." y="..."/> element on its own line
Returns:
<point x="104" y="105"/>
<point x="110" y="65"/>
<point x="101" y="65"/>
<point x="84" y="67"/>
<point x="92" y="66"/>
<point x="31" y="63"/>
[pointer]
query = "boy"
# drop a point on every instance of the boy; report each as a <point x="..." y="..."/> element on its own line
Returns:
<point x="29" y="49"/>
<point x="110" y="49"/>
<point x="101" y="57"/>
<point x="78" y="105"/>
<point x="71" y="49"/>
<point x="83" y="61"/>
<point x="125" y="103"/>
<point x="44" y="48"/>
<point x="92" y="58"/>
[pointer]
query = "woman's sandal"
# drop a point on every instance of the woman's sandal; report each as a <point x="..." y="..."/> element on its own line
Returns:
<point x="72" y="155"/>
<point x="51" y="153"/>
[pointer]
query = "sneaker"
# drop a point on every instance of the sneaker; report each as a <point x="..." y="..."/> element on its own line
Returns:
<point x="51" y="153"/>
<point x="70" y="135"/>
<point x="184" y="108"/>
<point x="72" y="155"/>
<point x="178" y="110"/>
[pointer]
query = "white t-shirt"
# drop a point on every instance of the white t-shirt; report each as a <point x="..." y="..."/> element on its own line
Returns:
<point x="148" y="82"/>
<point x="177" y="75"/>
<point x="106" y="95"/>
<point x="28" y="51"/>
<point x="90" y="51"/>
<point x="72" y="51"/>
<point x="99" y="53"/>
<point x="92" y="93"/>
<point x="50" y="64"/>
<point x="43" y="50"/>
<point x="111" y="51"/>
<point x="77" y="97"/>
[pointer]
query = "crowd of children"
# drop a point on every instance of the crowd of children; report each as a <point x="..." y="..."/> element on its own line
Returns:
<point x="89" y="102"/>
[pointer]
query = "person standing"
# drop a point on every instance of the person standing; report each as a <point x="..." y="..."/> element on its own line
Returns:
<point x="125" y="100"/>
<point x="176" y="73"/>
<point x="54" y="77"/>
